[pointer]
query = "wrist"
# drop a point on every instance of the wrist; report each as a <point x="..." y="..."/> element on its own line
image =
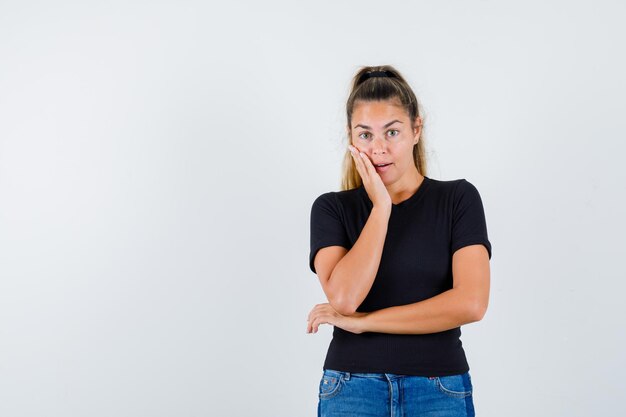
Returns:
<point x="381" y="210"/>
<point x="361" y="322"/>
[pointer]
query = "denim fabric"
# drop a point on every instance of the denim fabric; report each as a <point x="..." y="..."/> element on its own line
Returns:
<point x="391" y="395"/>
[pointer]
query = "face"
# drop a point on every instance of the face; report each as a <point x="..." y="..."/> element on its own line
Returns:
<point x="382" y="130"/>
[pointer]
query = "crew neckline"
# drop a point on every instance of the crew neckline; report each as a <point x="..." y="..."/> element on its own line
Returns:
<point x="414" y="197"/>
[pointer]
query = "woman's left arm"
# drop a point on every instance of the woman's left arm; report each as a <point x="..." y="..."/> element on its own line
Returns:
<point x="465" y="303"/>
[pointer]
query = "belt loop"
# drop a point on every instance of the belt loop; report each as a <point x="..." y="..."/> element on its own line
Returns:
<point x="346" y="376"/>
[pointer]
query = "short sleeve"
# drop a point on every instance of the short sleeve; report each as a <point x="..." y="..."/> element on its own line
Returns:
<point x="469" y="225"/>
<point x="327" y="229"/>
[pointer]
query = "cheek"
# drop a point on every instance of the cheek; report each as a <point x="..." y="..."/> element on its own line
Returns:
<point x="405" y="160"/>
<point x="364" y="148"/>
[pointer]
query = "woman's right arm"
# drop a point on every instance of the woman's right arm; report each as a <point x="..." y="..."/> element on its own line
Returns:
<point x="347" y="275"/>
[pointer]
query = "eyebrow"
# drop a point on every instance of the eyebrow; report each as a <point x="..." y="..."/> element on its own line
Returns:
<point x="387" y="125"/>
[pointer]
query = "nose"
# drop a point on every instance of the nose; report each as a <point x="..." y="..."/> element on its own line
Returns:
<point x="379" y="146"/>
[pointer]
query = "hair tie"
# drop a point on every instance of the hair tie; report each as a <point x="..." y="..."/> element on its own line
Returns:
<point x="373" y="74"/>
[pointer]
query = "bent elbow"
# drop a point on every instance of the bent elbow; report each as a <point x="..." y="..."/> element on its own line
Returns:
<point x="342" y="303"/>
<point x="347" y="311"/>
<point x="342" y="306"/>
<point x="479" y="312"/>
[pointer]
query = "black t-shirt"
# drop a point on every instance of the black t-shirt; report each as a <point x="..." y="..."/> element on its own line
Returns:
<point x="423" y="232"/>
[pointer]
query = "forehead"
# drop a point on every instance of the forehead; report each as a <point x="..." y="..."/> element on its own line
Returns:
<point x="374" y="113"/>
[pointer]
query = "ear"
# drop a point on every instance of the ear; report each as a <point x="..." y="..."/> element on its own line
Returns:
<point x="417" y="130"/>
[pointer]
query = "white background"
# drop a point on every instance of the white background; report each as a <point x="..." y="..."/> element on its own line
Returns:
<point x="158" y="162"/>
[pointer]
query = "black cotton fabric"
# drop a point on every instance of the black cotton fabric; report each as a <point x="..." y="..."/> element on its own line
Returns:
<point x="416" y="264"/>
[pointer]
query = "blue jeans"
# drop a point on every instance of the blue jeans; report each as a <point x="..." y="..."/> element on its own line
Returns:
<point x="391" y="395"/>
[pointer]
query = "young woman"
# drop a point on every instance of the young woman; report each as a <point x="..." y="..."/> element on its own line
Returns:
<point x="404" y="262"/>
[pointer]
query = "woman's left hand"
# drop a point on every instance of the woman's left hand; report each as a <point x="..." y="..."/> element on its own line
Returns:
<point x="325" y="313"/>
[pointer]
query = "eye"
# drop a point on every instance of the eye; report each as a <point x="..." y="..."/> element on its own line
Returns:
<point x="394" y="130"/>
<point x="364" y="133"/>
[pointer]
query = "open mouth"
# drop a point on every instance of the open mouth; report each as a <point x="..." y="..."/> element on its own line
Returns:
<point x="381" y="165"/>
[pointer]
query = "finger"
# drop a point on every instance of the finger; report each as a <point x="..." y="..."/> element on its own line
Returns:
<point x="360" y="166"/>
<point x="312" y="316"/>
<point x="319" y="320"/>
<point x="357" y="161"/>
<point x="313" y="310"/>
<point x="367" y="163"/>
<point x="315" y="326"/>
<point x="312" y="325"/>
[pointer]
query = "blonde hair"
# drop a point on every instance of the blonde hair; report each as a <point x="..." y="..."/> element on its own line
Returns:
<point x="375" y="89"/>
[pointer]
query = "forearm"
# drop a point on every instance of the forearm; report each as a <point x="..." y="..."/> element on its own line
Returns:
<point x="442" y="312"/>
<point x="353" y="276"/>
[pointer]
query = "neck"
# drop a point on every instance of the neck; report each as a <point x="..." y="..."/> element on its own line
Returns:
<point x="405" y="186"/>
